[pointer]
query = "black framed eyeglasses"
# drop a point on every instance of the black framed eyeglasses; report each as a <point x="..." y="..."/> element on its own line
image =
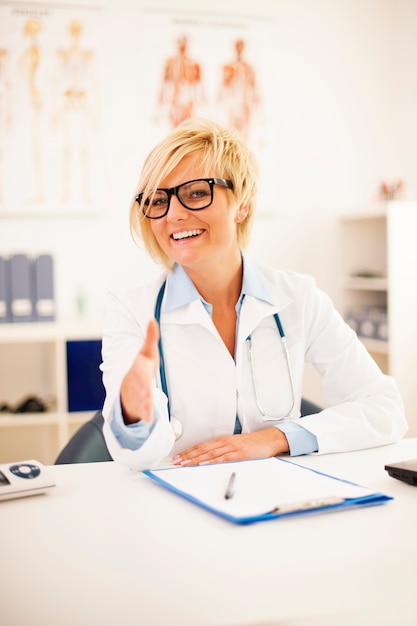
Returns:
<point x="193" y="195"/>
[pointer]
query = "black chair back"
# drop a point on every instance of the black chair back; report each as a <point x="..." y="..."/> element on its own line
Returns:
<point x="87" y="445"/>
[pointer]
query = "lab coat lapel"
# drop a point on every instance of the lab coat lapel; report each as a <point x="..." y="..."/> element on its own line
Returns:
<point x="252" y="313"/>
<point x="189" y="314"/>
<point x="254" y="310"/>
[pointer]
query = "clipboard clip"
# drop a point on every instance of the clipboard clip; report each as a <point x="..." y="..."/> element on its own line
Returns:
<point x="306" y="505"/>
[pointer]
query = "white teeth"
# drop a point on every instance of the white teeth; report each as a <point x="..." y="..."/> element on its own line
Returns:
<point x="186" y="233"/>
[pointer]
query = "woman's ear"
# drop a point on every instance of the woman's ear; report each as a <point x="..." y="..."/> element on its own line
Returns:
<point x="241" y="214"/>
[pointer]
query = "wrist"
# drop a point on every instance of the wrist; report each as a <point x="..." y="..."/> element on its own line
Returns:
<point x="279" y="442"/>
<point x="128" y="418"/>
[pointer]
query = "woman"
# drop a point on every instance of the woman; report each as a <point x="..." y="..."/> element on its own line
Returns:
<point x="229" y="387"/>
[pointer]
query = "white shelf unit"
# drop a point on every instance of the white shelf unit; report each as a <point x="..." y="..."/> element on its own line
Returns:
<point x="33" y="362"/>
<point x="383" y="246"/>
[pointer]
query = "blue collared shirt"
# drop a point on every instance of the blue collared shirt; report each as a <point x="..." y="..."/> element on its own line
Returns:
<point x="181" y="291"/>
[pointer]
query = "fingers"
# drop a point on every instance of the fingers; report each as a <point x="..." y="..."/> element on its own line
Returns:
<point x="150" y="346"/>
<point x="260" y="444"/>
<point x="136" y="390"/>
<point x="136" y="394"/>
<point x="215" y="451"/>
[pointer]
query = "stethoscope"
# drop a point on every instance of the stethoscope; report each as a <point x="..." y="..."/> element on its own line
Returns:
<point x="175" y="423"/>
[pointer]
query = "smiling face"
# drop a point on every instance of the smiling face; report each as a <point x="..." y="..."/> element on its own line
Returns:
<point x="198" y="148"/>
<point x="198" y="240"/>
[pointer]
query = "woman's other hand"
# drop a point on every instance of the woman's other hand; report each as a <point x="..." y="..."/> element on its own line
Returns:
<point x="260" y="444"/>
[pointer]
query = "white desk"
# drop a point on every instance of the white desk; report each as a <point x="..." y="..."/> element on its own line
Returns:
<point x="110" y="547"/>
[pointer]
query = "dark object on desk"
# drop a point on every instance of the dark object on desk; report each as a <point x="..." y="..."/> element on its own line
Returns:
<point x="404" y="470"/>
<point x="87" y="445"/>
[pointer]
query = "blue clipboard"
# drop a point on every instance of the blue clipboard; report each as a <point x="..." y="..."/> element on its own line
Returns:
<point x="264" y="489"/>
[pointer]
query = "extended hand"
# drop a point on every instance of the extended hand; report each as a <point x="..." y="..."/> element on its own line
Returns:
<point x="260" y="444"/>
<point x="136" y="389"/>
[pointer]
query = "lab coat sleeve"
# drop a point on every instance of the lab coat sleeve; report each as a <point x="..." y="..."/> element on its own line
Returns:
<point x="131" y="436"/>
<point x="300" y="440"/>
<point x="119" y="351"/>
<point x="154" y="449"/>
<point x="364" y="405"/>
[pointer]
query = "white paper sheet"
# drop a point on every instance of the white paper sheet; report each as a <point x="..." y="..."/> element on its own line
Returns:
<point x="260" y="486"/>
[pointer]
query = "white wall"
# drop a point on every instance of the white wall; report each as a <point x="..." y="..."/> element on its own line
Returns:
<point x="343" y="87"/>
<point x="405" y="88"/>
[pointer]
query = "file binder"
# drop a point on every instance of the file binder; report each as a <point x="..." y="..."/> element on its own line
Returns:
<point x="264" y="489"/>
<point x="21" y="301"/>
<point x="43" y="281"/>
<point x="4" y="291"/>
<point x="84" y="381"/>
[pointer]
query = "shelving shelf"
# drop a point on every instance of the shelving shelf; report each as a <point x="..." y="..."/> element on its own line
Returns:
<point x="33" y="362"/>
<point x="378" y="270"/>
<point x="377" y="346"/>
<point x="365" y="284"/>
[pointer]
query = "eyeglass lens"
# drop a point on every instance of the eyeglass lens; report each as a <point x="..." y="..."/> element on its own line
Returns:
<point x="194" y="195"/>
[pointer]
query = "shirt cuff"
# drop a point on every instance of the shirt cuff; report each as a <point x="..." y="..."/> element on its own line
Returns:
<point x="300" y="440"/>
<point x="131" y="436"/>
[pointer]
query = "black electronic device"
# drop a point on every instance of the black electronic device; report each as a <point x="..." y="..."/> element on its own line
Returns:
<point x="404" y="470"/>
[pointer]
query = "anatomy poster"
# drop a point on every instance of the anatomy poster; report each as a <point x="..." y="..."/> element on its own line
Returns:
<point x="213" y="65"/>
<point x="49" y="109"/>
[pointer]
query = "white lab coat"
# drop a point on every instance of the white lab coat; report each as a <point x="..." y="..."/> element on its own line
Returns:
<point x="207" y="387"/>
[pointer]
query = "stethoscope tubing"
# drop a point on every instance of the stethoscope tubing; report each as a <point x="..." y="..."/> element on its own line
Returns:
<point x="162" y="374"/>
<point x="265" y="416"/>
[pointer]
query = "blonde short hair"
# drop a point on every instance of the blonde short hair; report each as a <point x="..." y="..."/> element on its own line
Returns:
<point x="222" y="153"/>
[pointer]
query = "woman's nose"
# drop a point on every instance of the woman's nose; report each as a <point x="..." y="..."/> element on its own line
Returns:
<point x="176" y="210"/>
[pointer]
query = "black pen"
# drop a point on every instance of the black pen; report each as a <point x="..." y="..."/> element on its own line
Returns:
<point x="230" y="492"/>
